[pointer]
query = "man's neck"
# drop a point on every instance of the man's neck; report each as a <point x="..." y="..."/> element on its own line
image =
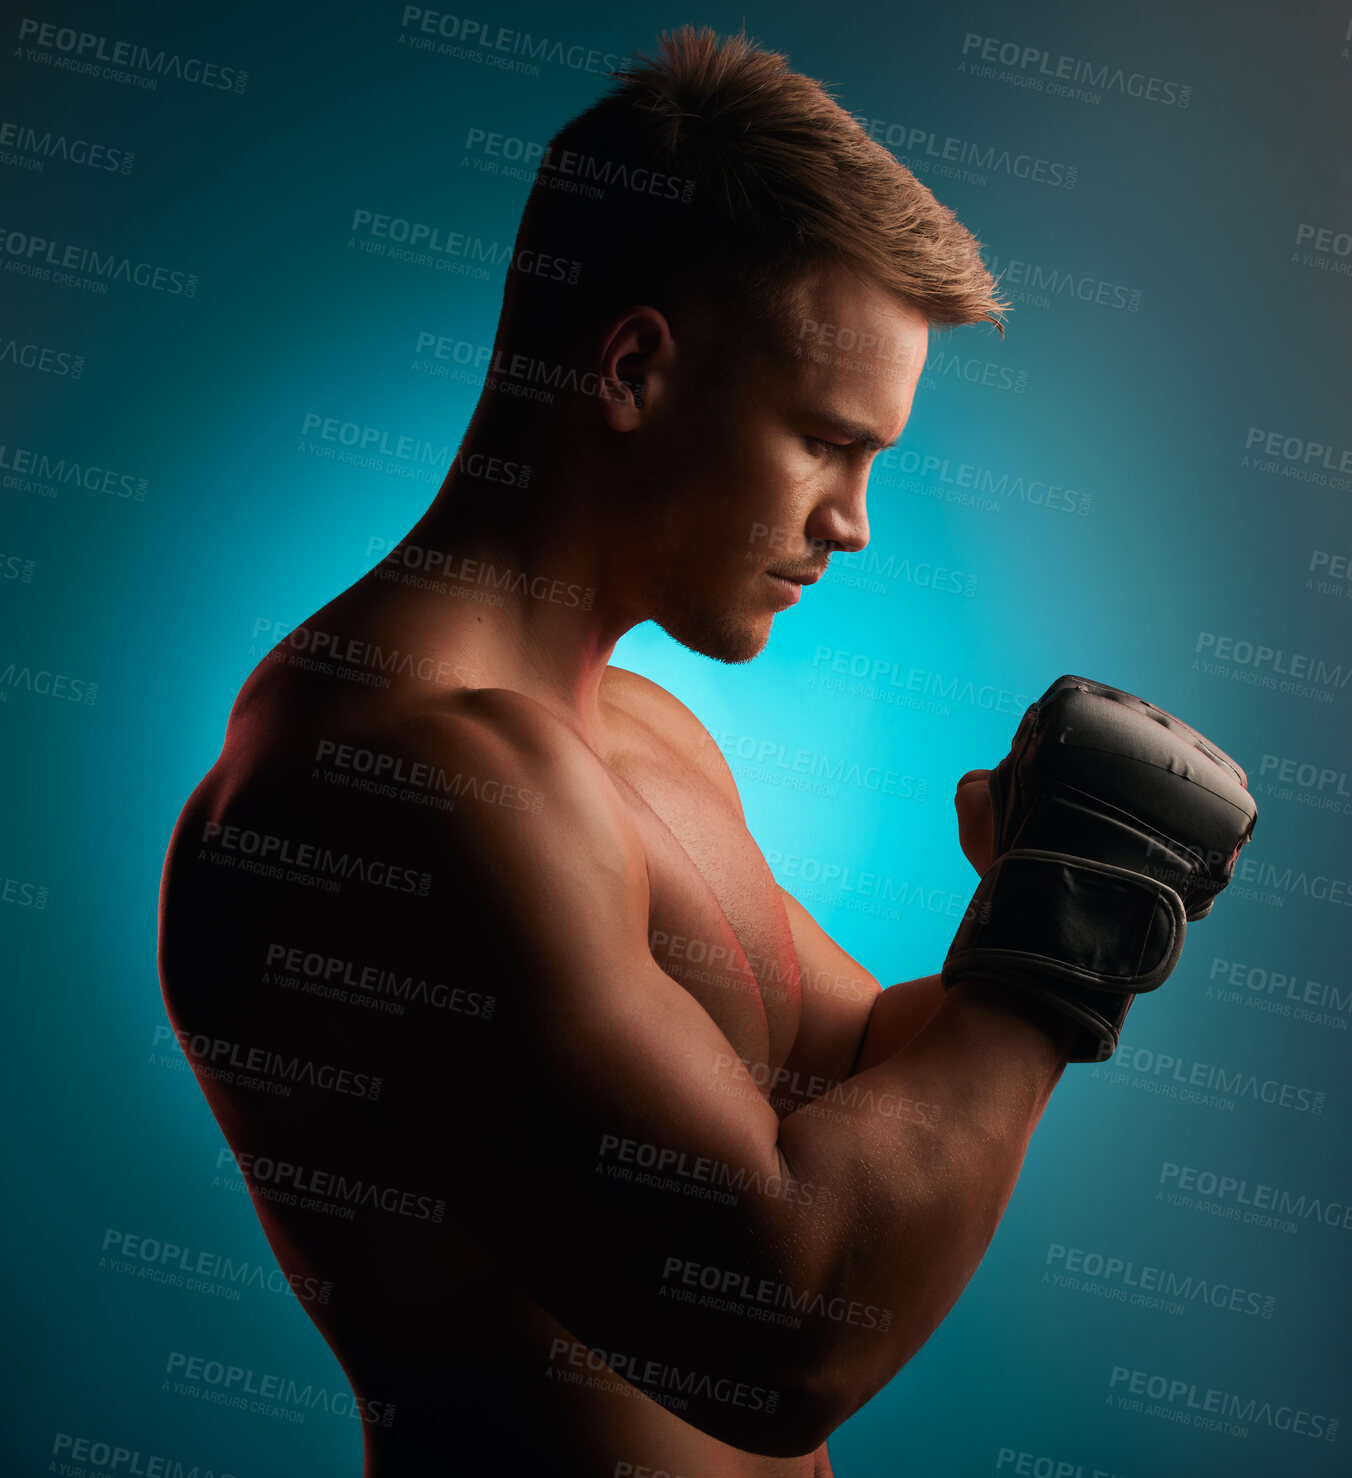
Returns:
<point x="531" y="594"/>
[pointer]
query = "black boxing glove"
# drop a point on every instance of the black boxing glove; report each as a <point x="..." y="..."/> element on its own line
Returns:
<point x="1114" y="823"/>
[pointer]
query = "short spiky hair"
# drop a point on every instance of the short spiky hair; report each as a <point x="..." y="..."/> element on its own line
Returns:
<point x="713" y="177"/>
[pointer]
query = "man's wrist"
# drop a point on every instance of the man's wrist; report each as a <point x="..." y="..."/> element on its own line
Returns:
<point x="988" y="996"/>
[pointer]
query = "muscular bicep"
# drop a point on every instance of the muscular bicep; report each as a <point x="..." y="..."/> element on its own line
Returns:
<point x="560" y="896"/>
<point x="599" y="1134"/>
<point x="838" y="995"/>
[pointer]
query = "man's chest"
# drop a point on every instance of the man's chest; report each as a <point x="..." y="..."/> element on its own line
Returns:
<point x="717" y="923"/>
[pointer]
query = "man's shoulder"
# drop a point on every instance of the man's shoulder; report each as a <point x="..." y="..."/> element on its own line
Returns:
<point x="488" y="776"/>
<point x="645" y="699"/>
<point x="665" y="714"/>
<point x="476" y="740"/>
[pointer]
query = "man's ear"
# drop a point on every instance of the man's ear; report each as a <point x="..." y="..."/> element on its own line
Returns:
<point x="637" y="356"/>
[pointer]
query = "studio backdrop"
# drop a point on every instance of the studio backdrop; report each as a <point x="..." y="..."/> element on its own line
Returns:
<point x="251" y="259"/>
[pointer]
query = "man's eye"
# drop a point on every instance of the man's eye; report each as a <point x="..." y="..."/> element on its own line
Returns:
<point x="820" y="444"/>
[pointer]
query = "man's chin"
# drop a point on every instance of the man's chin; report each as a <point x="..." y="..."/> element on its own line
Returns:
<point x="724" y="638"/>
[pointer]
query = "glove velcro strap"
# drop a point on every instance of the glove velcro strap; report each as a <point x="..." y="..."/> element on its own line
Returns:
<point x="1067" y="921"/>
<point x="1098" y="1014"/>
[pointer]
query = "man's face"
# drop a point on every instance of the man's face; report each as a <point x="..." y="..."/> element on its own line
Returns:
<point x="763" y="473"/>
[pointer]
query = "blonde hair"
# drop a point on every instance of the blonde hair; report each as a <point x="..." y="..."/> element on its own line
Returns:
<point x="710" y="180"/>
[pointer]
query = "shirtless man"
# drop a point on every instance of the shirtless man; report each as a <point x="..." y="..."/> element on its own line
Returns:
<point x="615" y="1162"/>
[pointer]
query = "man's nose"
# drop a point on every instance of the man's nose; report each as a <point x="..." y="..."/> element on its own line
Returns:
<point x="842" y="519"/>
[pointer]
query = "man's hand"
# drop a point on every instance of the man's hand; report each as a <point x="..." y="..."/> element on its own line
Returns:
<point x="602" y="1133"/>
<point x="976" y="819"/>
<point x="1108" y="825"/>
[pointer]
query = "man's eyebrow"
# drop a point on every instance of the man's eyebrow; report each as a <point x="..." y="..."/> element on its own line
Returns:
<point x="864" y="435"/>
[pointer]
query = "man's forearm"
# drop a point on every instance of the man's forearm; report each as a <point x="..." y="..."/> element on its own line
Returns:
<point x="897" y="1015"/>
<point x="917" y="1155"/>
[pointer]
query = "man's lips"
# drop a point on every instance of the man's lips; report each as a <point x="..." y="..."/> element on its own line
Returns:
<point x="810" y="578"/>
<point x="791" y="586"/>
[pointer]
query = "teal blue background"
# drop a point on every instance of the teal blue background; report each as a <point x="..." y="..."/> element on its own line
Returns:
<point x="1148" y="412"/>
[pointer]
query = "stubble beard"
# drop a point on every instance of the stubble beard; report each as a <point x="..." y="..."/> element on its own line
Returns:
<point x="719" y="629"/>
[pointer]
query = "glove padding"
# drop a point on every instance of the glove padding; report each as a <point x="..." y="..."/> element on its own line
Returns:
<point x="1114" y="823"/>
